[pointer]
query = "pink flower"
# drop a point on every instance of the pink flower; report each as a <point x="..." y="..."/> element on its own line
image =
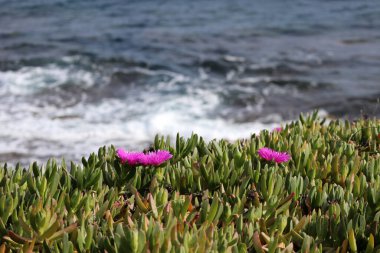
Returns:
<point x="136" y="158"/>
<point x="272" y="155"/>
<point x="157" y="158"/>
<point x="132" y="158"/>
<point x="277" y="129"/>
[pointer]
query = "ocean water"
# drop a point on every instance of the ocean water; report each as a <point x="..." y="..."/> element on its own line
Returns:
<point x="77" y="75"/>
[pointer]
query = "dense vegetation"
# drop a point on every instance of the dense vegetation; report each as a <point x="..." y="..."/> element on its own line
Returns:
<point x="212" y="196"/>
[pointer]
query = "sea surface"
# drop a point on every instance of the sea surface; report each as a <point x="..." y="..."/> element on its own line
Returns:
<point x="77" y="75"/>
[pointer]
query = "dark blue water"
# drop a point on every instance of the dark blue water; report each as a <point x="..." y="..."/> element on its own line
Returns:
<point x="75" y="75"/>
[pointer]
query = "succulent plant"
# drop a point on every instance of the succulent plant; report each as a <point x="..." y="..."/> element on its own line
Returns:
<point x="216" y="196"/>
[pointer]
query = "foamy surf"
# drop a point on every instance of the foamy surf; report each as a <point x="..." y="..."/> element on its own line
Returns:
<point x="176" y="103"/>
<point x="29" y="80"/>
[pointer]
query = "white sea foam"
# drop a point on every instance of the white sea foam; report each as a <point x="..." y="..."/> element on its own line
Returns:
<point x="132" y="121"/>
<point x="28" y="80"/>
<point x="45" y="135"/>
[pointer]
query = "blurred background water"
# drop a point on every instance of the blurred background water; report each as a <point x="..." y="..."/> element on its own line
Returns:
<point x="76" y="75"/>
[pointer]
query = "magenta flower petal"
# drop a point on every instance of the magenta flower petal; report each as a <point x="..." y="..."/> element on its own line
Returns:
<point x="132" y="158"/>
<point x="151" y="159"/>
<point x="144" y="160"/>
<point x="164" y="154"/>
<point x="279" y="157"/>
<point x="139" y="158"/>
<point x="158" y="157"/>
<point x="265" y="153"/>
<point x="272" y="155"/>
<point x="135" y="158"/>
<point x="122" y="154"/>
<point x="277" y="129"/>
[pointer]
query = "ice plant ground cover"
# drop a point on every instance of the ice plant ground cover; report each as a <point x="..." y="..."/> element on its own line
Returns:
<point x="215" y="196"/>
